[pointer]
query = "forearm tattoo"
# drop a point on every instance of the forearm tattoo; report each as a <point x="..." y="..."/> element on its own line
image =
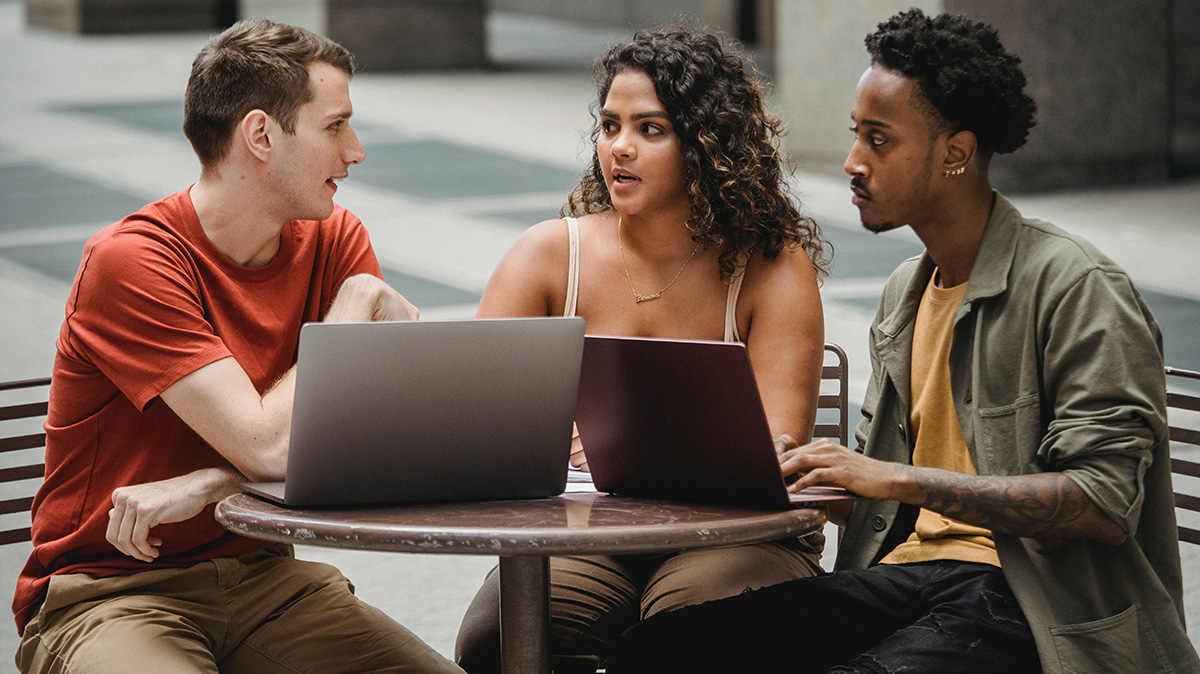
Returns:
<point x="1049" y="505"/>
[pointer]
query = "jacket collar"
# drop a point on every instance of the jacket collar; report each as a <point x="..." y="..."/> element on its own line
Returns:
<point x="989" y="276"/>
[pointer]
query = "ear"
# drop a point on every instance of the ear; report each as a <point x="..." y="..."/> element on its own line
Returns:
<point x="960" y="150"/>
<point x="256" y="132"/>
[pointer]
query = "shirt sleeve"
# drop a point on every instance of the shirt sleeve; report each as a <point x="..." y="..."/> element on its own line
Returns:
<point x="349" y="254"/>
<point x="137" y="314"/>
<point x="1104" y="376"/>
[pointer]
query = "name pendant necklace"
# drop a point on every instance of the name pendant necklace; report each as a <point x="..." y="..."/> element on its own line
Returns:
<point x="638" y="297"/>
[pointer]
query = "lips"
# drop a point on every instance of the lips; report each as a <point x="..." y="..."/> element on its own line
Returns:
<point x="622" y="177"/>
<point x="861" y="195"/>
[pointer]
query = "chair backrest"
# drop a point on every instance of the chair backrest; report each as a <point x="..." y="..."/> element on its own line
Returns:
<point x="1183" y="418"/>
<point x="23" y="407"/>
<point x="833" y="407"/>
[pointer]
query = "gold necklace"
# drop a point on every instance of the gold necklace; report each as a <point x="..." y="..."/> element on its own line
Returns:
<point x="638" y="297"/>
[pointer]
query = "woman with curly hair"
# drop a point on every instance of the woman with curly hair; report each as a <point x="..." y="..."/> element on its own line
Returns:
<point x="681" y="228"/>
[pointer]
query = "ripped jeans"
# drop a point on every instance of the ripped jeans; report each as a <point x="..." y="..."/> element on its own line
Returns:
<point x="943" y="616"/>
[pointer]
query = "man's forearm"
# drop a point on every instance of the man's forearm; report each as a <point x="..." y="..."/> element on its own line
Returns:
<point x="216" y="483"/>
<point x="138" y="508"/>
<point x="1047" y="505"/>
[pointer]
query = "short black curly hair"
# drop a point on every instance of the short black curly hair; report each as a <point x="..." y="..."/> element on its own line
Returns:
<point x="964" y="73"/>
<point x="737" y="187"/>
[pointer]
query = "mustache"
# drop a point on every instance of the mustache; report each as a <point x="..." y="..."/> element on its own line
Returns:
<point x="857" y="185"/>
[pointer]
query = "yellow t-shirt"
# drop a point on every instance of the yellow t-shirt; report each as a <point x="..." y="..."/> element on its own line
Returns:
<point x="939" y="439"/>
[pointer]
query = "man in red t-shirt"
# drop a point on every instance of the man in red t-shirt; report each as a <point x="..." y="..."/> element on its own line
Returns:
<point x="173" y="382"/>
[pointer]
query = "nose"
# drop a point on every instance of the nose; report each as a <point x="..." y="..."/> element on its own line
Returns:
<point x="623" y="147"/>
<point x="354" y="152"/>
<point x="854" y="164"/>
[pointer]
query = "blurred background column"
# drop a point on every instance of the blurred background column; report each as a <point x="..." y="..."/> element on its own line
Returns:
<point x="819" y="56"/>
<point x="1100" y="73"/>
<point x="128" y="16"/>
<point x="385" y="35"/>
<point x="390" y="35"/>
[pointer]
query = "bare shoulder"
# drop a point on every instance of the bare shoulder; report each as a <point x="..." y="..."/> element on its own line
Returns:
<point x="548" y="241"/>
<point x="790" y="271"/>
<point x="781" y="293"/>
<point x="545" y="240"/>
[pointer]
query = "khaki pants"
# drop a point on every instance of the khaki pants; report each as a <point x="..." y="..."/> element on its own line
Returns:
<point x="594" y="599"/>
<point x="261" y="612"/>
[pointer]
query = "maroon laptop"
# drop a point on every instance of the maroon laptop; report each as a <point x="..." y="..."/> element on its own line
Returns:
<point x="680" y="420"/>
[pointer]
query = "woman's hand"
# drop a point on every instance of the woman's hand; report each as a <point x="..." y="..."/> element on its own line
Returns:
<point x="783" y="443"/>
<point x="578" y="459"/>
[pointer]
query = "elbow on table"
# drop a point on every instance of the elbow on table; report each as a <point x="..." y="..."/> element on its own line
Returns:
<point x="267" y="465"/>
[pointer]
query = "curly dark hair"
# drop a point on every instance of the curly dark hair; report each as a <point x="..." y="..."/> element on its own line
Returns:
<point x="963" y="71"/>
<point x="739" y="198"/>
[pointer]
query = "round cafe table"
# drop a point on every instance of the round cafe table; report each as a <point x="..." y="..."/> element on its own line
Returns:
<point x="523" y="534"/>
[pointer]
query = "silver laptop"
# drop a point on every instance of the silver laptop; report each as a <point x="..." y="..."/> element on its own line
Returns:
<point x="397" y="412"/>
<point x="681" y="420"/>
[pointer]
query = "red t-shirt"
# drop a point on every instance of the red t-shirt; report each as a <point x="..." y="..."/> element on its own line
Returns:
<point x="153" y="301"/>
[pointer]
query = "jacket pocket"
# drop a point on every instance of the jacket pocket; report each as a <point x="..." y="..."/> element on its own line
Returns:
<point x="1008" y="436"/>
<point x="1113" y="644"/>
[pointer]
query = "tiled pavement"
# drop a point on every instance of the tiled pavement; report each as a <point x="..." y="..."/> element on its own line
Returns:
<point x="457" y="165"/>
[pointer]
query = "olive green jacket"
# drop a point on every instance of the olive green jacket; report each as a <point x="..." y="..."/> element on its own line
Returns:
<point x="1055" y="365"/>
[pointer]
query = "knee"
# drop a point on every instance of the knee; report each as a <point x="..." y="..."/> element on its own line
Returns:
<point x="699" y="576"/>
<point x="477" y="647"/>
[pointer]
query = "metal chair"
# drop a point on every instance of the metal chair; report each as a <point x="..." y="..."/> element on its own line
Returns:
<point x="1183" y="419"/>
<point x="835" y="371"/>
<point x="23" y="406"/>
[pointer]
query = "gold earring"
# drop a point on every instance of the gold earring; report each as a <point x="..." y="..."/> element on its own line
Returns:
<point x="956" y="172"/>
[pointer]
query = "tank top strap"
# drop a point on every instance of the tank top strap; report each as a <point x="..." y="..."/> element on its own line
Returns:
<point x="572" y="267"/>
<point x="731" y="298"/>
<point x="572" y="301"/>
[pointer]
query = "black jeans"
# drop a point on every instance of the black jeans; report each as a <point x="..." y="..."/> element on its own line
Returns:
<point x="928" y="617"/>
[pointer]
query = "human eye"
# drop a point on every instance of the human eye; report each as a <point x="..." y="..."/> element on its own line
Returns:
<point x="607" y="127"/>
<point x="875" y="138"/>
<point x="651" y="129"/>
<point x="337" y="126"/>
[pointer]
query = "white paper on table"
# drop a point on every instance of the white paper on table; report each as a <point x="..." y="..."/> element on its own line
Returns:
<point x="579" y="482"/>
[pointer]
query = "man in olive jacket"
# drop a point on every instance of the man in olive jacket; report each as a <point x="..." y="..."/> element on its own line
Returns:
<point x="1013" y="451"/>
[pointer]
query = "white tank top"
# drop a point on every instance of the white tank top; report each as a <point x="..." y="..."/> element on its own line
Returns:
<point x="735" y="287"/>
